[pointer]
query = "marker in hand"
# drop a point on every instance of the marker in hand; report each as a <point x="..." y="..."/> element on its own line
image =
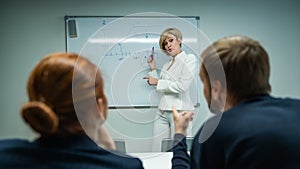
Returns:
<point x="150" y="59"/>
<point x="152" y="50"/>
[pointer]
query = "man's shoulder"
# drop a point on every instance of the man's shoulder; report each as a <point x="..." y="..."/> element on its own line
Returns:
<point x="7" y="143"/>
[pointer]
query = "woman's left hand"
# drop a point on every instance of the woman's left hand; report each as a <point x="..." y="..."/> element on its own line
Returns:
<point x="151" y="80"/>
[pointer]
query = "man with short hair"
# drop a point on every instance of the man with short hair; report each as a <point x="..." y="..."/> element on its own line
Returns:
<point x="251" y="129"/>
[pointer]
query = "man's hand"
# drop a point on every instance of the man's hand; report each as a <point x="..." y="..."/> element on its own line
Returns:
<point x="181" y="120"/>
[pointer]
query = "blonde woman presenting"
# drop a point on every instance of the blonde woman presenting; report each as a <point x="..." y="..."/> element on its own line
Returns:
<point x="173" y="83"/>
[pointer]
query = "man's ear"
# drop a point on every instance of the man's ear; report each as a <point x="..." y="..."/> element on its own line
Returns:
<point x="100" y="109"/>
<point x="216" y="90"/>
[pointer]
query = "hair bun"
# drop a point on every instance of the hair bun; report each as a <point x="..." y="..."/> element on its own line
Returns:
<point x="40" y="117"/>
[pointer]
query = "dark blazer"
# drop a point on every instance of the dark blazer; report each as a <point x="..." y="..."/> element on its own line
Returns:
<point x="71" y="152"/>
<point x="262" y="132"/>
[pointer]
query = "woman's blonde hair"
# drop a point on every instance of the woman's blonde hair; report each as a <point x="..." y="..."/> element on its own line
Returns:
<point x="173" y="31"/>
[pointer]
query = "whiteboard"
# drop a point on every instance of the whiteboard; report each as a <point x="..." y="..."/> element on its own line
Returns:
<point x="120" y="46"/>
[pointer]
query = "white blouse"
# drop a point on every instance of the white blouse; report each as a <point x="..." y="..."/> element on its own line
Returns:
<point x="174" y="84"/>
